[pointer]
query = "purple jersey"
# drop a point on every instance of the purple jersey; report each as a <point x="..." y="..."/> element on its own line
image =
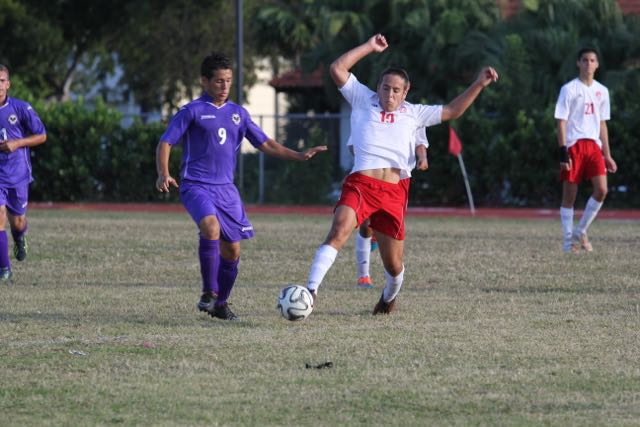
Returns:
<point x="211" y="138"/>
<point x="17" y="120"/>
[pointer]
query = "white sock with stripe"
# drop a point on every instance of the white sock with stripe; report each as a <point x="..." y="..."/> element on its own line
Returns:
<point x="363" y="255"/>
<point x="392" y="285"/>
<point x="322" y="262"/>
<point x="589" y="214"/>
<point x="566" y="220"/>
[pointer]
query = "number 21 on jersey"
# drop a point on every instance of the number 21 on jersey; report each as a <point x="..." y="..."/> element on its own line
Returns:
<point x="589" y="108"/>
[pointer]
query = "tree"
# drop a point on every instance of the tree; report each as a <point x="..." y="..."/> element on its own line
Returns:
<point x="49" y="43"/>
<point x="164" y="43"/>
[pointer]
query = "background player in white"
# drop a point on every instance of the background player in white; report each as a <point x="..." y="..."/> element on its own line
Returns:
<point x="365" y="241"/>
<point x="20" y="129"/>
<point x="382" y="127"/>
<point x="582" y="111"/>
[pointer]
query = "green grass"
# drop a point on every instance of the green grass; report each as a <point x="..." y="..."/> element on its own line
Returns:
<point x="495" y="326"/>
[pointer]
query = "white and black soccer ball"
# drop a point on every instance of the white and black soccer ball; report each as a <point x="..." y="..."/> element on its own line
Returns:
<point x="295" y="302"/>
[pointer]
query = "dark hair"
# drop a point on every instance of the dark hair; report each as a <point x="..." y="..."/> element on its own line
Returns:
<point x="401" y="72"/>
<point x="215" y="61"/>
<point x="5" y="69"/>
<point x="588" y="49"/>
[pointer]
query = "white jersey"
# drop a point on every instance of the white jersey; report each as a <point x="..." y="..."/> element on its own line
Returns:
<point x="583" y="107"/>
<point x="385" y="139"/>
<point x="419" y="138"/>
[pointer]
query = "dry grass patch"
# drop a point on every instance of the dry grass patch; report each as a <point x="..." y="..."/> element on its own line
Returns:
<point x="495" y="326"/>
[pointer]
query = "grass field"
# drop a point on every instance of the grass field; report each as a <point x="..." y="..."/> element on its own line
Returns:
<point x="495" y="326"/>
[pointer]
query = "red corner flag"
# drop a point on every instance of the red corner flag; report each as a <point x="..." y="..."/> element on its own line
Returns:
<point x="455" y="146"/>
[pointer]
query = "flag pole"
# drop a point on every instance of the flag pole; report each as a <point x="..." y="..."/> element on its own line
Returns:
<point x="466" y="184"/>
<point x="455" y="148"/>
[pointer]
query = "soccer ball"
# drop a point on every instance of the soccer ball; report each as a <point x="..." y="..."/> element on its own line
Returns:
<point x="295" y="302"/>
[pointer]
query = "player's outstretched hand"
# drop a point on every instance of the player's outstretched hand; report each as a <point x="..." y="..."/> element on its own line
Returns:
<point x="487" y="76"/>
<point x="611" y="165"/>
<point x="163" y="183"/>
<point x="307" y="154"/>
<point x="378" y="43"/>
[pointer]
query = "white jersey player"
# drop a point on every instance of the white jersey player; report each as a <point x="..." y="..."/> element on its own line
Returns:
<point x="582" y="111"/>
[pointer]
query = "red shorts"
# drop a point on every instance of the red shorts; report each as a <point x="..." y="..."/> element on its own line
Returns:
<point x="384" y="203"/>
<point x="587" y="161"/>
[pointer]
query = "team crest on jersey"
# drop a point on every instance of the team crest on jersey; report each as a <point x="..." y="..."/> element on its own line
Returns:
<point x="236" y="118"/>
<point x="403" y="109"/>
<point x="13" y="119"/>
<point x="598" y="94"/>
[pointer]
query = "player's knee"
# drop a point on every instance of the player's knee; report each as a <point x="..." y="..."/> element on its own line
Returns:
<point x="3" y="217"/>
<point x="209" y="228"/>
<point x="230" y="252"/>
<point x="365" y="230"/>
<point x="338" y="235"/>
<point x="18" y="222"/>
<point x="394" y="269"/>
<point x="600" y="193"/>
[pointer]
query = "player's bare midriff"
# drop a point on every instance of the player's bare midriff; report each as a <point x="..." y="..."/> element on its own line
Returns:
<point x="391" y="175"/>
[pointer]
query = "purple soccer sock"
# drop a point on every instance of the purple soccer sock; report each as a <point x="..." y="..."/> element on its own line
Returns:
<point x="4" y="250"/>
<point x="209" y="254"/>
<point x="226" y="278"/>
<point x="17" y="234"/>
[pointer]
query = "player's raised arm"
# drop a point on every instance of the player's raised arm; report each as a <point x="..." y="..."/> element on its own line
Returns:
<point x="459" y="105"/>
<point x="340" y="68"/>
<point x="275" y="149"/>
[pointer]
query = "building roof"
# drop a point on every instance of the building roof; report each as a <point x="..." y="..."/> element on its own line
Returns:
<point x="297" y="80"/>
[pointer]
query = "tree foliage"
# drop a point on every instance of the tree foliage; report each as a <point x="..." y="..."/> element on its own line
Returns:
<point x="509" y="133"/>
<point x="51" y="43"/>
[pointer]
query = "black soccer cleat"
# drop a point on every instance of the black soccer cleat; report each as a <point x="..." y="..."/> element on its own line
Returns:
<point x="21" y="248"/>
<point x="223" y="312"/>
<point x="207" y="302"/>
<point x="383" y="307"/>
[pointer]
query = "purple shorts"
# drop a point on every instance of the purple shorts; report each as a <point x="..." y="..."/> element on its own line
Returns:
<point x="15" y="198"/>
<point x="221" y="200"/>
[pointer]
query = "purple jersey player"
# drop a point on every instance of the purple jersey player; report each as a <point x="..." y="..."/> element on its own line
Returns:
<point x="211" y="130"/>
<point x="20" y="129"/>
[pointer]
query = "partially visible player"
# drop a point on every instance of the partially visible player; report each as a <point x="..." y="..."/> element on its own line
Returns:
<point x="211" y="129"/>
<point x="365" y="239"/>
<point x="20" y="129"/>
<point x="382" y="127"/>
<point x="582" y="111"/>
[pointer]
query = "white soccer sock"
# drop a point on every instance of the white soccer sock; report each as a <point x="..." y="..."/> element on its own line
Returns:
<point x="322" y="262"/>
<point x="589" y="214"/>
<point x="363" y="254"/>
<point x="566" y="219"/>
<point x="392" y="285"/>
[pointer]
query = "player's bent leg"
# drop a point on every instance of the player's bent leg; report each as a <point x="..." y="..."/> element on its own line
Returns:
<point x="19" y="227"/>
<point x="594" y="204"/>
<point x="209" y="257"/>
<point x="344" y="222"/>
<point x="391" y="251"/>
<point x="5" y="263"/>
<point x="227" y="274"/>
